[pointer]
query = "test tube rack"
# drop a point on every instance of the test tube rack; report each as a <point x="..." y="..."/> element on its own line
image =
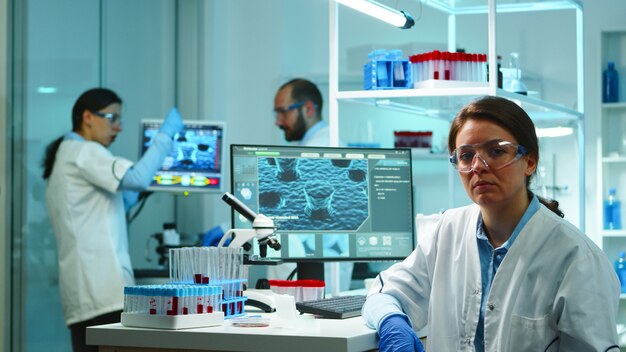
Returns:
<point x="172" y="322"/>
<point x="206" y="287"/>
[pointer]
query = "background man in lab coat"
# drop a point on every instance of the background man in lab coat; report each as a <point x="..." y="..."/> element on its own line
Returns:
<point x="297" y="108"/>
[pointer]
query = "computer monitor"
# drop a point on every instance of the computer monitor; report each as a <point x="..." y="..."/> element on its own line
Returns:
<point x="195" y="161"/>
<point x="329" y="204"/>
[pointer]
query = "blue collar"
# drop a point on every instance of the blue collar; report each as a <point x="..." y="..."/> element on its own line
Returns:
<point x="73" y="136"/>
<point x="530" y="211"/>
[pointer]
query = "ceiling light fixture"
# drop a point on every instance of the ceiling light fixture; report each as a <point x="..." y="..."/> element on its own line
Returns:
<point x="46" y="90"/>
<point x="554" y="131"/>
<point x="394" y="17"/>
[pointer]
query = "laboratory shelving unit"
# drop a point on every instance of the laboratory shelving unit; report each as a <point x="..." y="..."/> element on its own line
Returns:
<point x="443" y="102"/>
<point x="612" y="144"/>
<point x="611" y="170"/>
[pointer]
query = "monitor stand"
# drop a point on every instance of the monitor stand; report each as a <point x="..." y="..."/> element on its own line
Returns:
<point x="310" y="271"/>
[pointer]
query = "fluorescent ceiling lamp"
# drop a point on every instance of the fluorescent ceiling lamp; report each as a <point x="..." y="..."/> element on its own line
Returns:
<point x="554" y="131"/>
<point x="394" y="17"/>
<point x="46" y="90"/>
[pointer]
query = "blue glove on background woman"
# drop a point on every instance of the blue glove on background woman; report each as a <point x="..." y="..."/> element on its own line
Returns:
<point x="139" y="177"/>
<point x="172" y="124"/>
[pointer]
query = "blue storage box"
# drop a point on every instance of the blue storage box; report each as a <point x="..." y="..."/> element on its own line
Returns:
<point x="387" y="70"/>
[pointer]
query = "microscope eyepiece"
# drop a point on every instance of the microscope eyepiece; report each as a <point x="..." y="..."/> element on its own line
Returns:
<point x="239" y="206"/>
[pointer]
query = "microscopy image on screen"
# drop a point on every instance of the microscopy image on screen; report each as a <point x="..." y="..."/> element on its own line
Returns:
<point x="313" y="194"/>
<point x="195" y="161"/>
<point x="193" y="150"/>
<point x="302" y="245"/>
<point x="336" y="245"/>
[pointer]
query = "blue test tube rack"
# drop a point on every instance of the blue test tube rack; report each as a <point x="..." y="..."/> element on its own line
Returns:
<point x="387" y="70"/>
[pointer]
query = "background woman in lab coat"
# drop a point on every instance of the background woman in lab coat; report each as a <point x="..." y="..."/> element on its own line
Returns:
<point x="88" y="190"/>
<point x="503" y="274"/>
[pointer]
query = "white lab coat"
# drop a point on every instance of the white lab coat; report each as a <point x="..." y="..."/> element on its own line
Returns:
<point x="87" y="215"/>
<point x="317" y="136"/>
<point x="554" y="283"/>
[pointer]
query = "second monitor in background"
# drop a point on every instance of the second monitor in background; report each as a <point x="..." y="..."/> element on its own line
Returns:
<point x="329" y="204"/>
<point x="195" y="162"/>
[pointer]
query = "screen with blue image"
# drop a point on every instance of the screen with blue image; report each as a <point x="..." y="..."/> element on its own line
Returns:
<point x="328" y="203"/>
<point x="195" y="162"/>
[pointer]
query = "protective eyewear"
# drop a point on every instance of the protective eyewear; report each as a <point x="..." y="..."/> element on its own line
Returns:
<point x="280" y="111"/>
<point x="495" y="154"/>
<point x="112" y="117"/>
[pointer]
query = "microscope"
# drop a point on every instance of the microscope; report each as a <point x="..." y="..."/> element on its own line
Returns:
<point x="168" y="239"/>
<point x="262" y="229"/>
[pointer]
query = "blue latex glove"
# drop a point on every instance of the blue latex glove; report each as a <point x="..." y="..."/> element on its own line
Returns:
<point x="173" y="123"/>
<point x="213" y="237"/>
<point x="139" y="177"/>
<point x="396" y="335"/>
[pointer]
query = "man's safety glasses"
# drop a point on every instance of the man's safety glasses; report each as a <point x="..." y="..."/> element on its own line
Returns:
<point x="495" y="154"/>
<point x="112" y="117"/>
<point x="280" y="111"/>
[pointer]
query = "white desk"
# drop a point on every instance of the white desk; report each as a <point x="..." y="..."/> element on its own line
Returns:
<point x="332" y="335"/>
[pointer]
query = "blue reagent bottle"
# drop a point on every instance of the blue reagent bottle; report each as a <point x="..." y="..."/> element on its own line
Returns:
<point x="620" y="269"/>
<point x="612" y="212"/>
<point x="610" y="83"/>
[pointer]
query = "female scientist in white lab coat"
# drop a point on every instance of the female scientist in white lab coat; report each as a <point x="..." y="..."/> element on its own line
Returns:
<point x="505" y="273"/>
<point x="88" y="190"/>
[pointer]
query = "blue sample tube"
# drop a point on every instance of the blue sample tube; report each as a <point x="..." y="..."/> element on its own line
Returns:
<point x="620" y="269"/>
<point x="610" y="84"/>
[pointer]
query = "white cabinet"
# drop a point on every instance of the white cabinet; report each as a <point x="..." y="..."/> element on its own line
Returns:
<point x="483" y="17"/>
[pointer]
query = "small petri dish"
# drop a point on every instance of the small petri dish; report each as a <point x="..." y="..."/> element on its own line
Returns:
<point x="250" y="322"/>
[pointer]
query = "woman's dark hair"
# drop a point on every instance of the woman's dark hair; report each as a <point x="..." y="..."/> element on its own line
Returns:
<point x="94" y="99"/>
<point x="510" y="117"/>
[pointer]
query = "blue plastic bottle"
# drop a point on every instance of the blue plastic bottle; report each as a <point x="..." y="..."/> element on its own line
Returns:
<point x="612" y="212"/>
<point x="610" y="83"/>
<point x="620" y="269"/>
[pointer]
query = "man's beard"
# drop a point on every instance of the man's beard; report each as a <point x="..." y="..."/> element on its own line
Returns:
<point x="298" y="130"/>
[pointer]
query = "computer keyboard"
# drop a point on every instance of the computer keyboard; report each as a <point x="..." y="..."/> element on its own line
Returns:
<point x="340" y="307"/>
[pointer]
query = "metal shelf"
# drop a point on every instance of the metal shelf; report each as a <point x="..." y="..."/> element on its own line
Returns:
<point x="462" y="7"/>
<point x="614" y="233"/>
<point x="608" y="106"/>
<point x="443" y="103"/>
<point x="614" y="159"/>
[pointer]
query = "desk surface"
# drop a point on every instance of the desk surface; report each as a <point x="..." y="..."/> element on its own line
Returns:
<point x="328" y="335"/>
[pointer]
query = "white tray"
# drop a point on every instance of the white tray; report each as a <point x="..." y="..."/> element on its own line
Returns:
<point x="431" y="83"/>
<point x="172" y="322"/>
